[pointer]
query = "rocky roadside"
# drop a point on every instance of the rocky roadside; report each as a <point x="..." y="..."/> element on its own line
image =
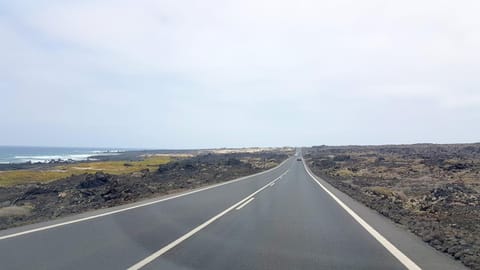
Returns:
<point x="441" y="208"/>
<point x="25" y="204"/>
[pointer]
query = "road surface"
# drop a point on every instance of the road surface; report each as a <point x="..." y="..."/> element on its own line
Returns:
<point x="280" y="219"/>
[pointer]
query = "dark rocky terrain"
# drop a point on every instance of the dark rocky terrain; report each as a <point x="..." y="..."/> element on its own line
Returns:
<point x="29" y="203"/>
<point x="432" y="190"/>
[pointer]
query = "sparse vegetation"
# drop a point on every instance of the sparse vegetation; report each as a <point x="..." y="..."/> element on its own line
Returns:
<point x="14" y="177"/>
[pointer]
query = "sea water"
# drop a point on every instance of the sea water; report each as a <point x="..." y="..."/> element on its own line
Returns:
<point x="21" y="154"/>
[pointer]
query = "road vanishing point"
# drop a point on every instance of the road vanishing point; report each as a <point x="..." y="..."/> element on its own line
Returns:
<point x="283" y="218"/>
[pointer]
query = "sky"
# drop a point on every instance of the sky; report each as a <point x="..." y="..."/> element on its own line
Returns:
<point x="203" y="74"/>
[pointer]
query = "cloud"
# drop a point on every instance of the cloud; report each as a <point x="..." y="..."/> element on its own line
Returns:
<point x="245" y="64"/>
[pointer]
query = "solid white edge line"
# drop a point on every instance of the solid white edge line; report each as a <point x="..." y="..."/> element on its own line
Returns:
<point x="409" y="264"/>
<point x="166" y="248"/>
<point x="245" y="203"/>
<point x="136" y="206"/>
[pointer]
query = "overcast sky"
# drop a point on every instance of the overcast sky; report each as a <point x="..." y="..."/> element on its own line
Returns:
<point x="197" y="74"/>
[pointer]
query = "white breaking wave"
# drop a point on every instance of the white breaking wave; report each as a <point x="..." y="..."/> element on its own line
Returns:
<point x="107" y="151"/>
<point x="12" y="155"/>
<point x="48" y="158"/>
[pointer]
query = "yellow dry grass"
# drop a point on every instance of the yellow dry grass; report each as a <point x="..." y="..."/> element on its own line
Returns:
<point x="13" y="177"/>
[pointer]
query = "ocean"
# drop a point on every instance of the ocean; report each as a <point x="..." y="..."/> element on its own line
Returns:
<point x="21" y="154"/>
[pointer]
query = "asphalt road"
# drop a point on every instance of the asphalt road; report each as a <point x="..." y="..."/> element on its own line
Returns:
<point x="280" y="219"/>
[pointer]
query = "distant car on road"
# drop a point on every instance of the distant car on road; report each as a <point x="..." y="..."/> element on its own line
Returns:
<point x="299" y="159"/>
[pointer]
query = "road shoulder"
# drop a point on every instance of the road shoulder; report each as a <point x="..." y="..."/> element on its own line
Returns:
<point x="421" y="253"/>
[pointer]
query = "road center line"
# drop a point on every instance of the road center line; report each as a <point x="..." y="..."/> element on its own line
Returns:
<point x="409" y="264"/>
<point x="166" y="248"/>
<point x="245" y="203"/>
